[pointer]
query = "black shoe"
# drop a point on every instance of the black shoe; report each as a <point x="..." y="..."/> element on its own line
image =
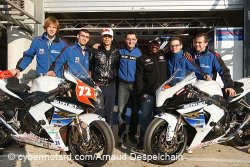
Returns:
<point x="140" y="146"/>
<point x="122" y="139"/>
<point x="133" y="140"/>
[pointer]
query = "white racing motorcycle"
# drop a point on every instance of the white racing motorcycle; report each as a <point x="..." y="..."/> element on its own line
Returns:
<point x="194" y="114"/>
<point x="56" y="114"/>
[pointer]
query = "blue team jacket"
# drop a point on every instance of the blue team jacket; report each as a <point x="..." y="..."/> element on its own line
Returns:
<point x="127" y="65"/>
<point x="177" y="61"/>
<point x="73" y="55"/>
<point x="45" y="55"/>
<point x="208" y="62"/>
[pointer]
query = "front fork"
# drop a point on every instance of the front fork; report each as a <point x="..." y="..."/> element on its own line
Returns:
<point x="81" y="126"/>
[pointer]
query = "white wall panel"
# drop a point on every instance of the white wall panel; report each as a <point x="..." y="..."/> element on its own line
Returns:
<point x="64" y="6"/>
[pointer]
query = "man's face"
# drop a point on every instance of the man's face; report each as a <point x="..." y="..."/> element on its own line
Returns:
<point x="51" y="30"/>
<point x="200" y="44"/>
<point x="175" y="46"/>
<point x="107" y="40"/>
<point x="83" y="38"/>
<point x="130" y="41"/>
<point x="154" y="47"/>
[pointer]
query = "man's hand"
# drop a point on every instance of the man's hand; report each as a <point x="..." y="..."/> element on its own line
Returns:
<point x="230" y="91"/>
<point x="15" y="72"/>
<point x="51" y="73"/>
<point x="95" y="46"/>
<point x="207" y="77"/>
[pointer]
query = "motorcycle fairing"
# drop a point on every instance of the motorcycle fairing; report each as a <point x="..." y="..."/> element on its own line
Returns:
<point x="216" y="114"/>
<point x="38" y="113"/>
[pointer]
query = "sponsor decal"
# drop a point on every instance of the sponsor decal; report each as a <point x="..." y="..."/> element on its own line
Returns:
<point x="124" y="56"/>
<point x="194" y="104"/>
<point x="193" y="115"/>
<point x="41" y="51"/>
<point x="204" y="66"/>
<point x="65" y="104"/>
<point x="161" y="57"/>
<point x="77" y="59"/>
<point x="55" y="51"/>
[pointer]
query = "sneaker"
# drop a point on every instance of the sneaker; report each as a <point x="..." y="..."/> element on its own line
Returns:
<point x="190" y="151"/>
<point x="133" y="140"/>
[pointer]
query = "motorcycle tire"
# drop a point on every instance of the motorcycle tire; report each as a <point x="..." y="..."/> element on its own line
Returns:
<point x="240" y="140"/>
<point x="5" y="138"/>
<point x="101" y="139"/>
<point x="155" y="143"/>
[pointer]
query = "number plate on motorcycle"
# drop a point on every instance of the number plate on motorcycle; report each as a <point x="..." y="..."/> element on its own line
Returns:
<point x="84" y="93"/>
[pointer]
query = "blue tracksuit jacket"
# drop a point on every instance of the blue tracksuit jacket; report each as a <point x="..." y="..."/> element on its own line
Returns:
<point x="45" y="55"/>
<point x="73" y="56"/>
<point x="177" y="61"/>
<point x="127" y="65"/>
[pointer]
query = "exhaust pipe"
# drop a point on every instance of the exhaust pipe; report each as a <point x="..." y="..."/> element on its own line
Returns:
<point x="237" y="130"/>
<point x="13" y="131"/>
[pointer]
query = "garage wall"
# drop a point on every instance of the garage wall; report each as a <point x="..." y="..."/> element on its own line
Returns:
<point x="64" y="6"/>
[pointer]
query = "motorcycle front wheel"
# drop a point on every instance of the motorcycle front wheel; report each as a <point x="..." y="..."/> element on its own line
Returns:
<point x="164" y="152"/>
<point x="94" y="151"/>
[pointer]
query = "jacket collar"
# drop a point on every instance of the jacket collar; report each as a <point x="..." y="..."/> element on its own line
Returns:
<point x="177" y="56"/>
<point x="44" y="36"/>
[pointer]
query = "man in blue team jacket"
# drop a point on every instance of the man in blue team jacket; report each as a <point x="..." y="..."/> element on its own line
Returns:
<point x="76" y="56"/>
<point x="177" y="62"/>
<point x="126" y="90"/>
<point x="209" y="63"/>
<point x="46" y="47"/>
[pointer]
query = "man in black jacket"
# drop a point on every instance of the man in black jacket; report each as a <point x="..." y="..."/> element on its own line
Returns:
<point x="104" y="63"/>
<point x="151" y="72"/>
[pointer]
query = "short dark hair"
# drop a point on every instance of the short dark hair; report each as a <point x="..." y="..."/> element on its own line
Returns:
<point x="83" y="30"/>
<point x="130" y="33"/>
<point x="175" y="38"/>
<point x="202" y="35"/>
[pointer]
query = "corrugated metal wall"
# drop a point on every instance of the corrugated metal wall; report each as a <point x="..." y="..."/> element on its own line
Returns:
<point x="64" y="6"/>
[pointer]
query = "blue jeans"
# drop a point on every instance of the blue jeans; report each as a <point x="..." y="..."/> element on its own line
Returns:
<point x="109" y="93"/>
<point x="126" y="91"/>
<point x="147" y="108"/>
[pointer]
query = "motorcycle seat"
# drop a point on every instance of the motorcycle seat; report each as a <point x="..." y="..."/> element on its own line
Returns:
<point x="14" y="86"/>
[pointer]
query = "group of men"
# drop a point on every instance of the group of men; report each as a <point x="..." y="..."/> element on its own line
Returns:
<point x="136" y="75"/>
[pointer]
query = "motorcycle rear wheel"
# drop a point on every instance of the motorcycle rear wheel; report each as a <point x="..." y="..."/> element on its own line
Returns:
<point x="95" y="152"/>
<point x="5" y="138"/>
<point x="241" y="140"/>
<point x="156" y="145"/>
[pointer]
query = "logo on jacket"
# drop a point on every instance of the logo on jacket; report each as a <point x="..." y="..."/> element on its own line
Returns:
<point x="147" y="60"/>
<point x="41" y="51"/>
<point x="161" y="57"/>
<point x="204" y="66"/>
<point x="77" y="59"/>
<point x="55" y="51"/>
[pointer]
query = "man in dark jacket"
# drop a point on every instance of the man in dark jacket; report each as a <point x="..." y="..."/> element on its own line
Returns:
<point x="76" y="56"/>
<point x="151" y="72"/>
<point x="104" y="63"/>
<point x="128" y="56"/>
<point x="46" y="48"/>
